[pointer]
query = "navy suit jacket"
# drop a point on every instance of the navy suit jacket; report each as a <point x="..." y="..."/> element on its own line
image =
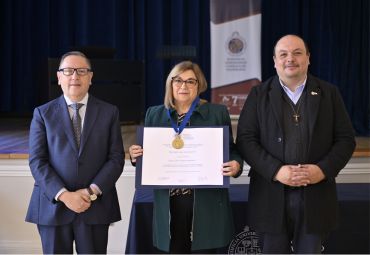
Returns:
<point x="56" y="161"/>
<point x="261" y="143"/>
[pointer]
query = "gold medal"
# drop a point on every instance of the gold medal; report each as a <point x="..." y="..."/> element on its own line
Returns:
<point x="177" y="143"/>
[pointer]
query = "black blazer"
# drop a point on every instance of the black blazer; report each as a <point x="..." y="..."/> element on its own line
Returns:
<point x="260" y="141"/>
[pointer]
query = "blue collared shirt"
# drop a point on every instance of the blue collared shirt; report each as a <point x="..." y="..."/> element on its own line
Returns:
<point x="294" y="95"/>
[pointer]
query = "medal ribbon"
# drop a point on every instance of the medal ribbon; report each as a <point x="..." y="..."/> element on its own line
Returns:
<point x="179" y="129"/>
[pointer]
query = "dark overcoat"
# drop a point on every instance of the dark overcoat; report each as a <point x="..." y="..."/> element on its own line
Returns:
<point x="261" y="142"/>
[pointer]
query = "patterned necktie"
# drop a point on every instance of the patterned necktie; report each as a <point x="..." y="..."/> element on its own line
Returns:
<point x="76" y="121"/>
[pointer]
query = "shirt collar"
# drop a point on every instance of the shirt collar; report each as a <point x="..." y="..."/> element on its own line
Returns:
<point x="294" y="96"/>
<point x="83" y="101"/>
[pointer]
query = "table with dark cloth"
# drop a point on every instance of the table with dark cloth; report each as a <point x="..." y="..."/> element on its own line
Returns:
<point x="352" y="236"/>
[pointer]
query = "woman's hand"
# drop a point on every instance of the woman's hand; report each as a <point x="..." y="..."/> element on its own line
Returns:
<point x="135" y="151"/>
<point x="230" y="168"/>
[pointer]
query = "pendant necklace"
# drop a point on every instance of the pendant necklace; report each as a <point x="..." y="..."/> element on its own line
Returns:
<point x="296" y="116"/>
<point x="178" y="142"/>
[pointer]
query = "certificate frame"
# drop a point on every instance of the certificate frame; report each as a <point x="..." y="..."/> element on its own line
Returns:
<point x="139" y="161"/>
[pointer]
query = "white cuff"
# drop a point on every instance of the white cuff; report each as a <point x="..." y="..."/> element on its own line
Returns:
<point x="95" y="187"/>
<point x="59" y="193"/>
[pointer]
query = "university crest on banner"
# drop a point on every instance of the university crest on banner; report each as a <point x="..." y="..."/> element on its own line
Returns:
<point x="235" y="51"/>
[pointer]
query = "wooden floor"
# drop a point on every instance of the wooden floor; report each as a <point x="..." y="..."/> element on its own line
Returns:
<point x="14" y="139"/>
<point x="362" y="147"/>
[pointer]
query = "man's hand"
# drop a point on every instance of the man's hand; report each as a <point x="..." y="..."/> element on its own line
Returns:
<point x="76" y="201"/>
<point x="314" y="173"/>
<point x="292" y="175"/>
<point x="299" y="175"/>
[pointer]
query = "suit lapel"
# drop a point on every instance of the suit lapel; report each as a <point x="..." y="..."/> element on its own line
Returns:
<point x="276" y="101"/>
<point x="62" y="110"/>
<point x="91" y="115"/>
<point x="313" y="101"/>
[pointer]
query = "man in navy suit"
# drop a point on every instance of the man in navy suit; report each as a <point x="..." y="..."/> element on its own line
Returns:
<point x="76" y="157"/>
<point x="296" y="135"/>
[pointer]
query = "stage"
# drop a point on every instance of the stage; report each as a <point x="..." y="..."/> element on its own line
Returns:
<point x="14" y="135"/>
<point x="14" y="138"/>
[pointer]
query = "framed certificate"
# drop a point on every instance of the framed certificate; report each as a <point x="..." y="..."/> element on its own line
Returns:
<point x="194" y="162"/>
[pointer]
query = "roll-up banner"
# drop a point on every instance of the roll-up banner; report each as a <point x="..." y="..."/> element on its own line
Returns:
<point x="235" y="51"/>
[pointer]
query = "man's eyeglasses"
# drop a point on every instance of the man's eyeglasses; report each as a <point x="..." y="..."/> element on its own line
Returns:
<point x="70" y="71"/>
<point x="189" y="82"/>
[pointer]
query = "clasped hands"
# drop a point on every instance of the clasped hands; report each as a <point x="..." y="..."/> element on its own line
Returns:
<point x="230" y="168"/>
<point x="77" y="201"/>
<point x="299" y="175"/>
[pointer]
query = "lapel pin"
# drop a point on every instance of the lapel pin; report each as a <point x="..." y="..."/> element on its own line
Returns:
<point x="313" y="93"/>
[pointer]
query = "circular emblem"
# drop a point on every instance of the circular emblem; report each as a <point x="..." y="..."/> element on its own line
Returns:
<point x="245" y="242"/>
<point x="235" y="44"/>
<point x="177" y="143"/>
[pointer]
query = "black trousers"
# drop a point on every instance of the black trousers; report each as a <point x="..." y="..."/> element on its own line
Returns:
<point x="294" y="239"/>
<point x="181" y="207"/>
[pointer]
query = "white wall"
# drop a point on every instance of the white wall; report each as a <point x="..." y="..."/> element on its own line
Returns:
<point x="16" y="183"/>
<point x="18" y="236"/>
